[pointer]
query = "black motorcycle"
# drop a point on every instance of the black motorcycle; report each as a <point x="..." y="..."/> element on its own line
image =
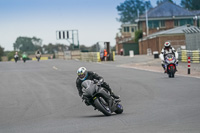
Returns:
<point x="38" y="58"/>
<point x="24" y="59"/>
<point x="100" y="99"/>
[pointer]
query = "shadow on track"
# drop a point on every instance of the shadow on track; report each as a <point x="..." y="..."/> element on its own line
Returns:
<point x="100" y="115"/>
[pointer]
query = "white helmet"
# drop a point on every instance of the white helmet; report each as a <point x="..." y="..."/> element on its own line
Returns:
<point x="82" y="73"/>
<point x="167" y="44"/>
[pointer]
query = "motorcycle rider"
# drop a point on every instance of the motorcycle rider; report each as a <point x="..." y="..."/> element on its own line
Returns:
<point x="16" y="56"/>
<point x="168" y="49"/>
<point x="37" y="54"/>
<point x="24" y="56"/>
<point x="83" y="74"/>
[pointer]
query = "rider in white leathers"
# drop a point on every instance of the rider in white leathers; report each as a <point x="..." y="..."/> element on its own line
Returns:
<point x="168" y="49"/>
<point x="37" y="54"/>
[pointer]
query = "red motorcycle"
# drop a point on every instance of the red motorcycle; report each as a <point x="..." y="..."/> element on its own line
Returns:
<point x="170" y="65"/>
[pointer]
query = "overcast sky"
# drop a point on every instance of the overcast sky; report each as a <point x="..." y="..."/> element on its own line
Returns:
<point x="94" y="19"/>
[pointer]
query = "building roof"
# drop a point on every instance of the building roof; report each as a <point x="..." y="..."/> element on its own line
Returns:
<point x="196" y="12"/>
<point x="128" y="24"/>
<point x="167" y="9"/>
<point x="192" y="30"/>
<point x="177" y="30"/>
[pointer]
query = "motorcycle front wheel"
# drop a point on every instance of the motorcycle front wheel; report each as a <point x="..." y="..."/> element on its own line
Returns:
<point x="102" y="106"/>
<point x="171" y="72"/>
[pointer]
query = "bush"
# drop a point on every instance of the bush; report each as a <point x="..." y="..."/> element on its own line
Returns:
<point x="138" y="35"/>
<point x="11" y="54"/>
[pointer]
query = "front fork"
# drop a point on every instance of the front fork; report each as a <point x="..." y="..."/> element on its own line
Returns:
<point x="165" y="66"/>
<point x="106" y="96"/>
<point x="173" y="66"/>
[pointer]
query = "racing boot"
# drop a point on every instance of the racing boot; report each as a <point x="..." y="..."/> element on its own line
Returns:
<point x="165" y="70"/>
<point x="176" y="66"/>
<point x="176" y="69"/>
<point x="113" y="95"/>
<point x="106" y="86"/>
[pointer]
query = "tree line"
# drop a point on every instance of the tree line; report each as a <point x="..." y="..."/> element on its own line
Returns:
<point x="32" y="44"/>
<point x="1" y="52"/>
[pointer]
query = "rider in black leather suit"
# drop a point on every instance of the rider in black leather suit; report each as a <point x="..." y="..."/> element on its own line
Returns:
<point x="83" y="74"/>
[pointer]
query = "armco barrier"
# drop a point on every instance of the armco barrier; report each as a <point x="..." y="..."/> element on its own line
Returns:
<point x="93" y="56"/>
<point x="42" y="58"/>
<point x="76" y="54"/>
<point x="184" y="56"/>
<point x="84" y="56"/>
<point x="193" y="54"/>
<point x="90" y="56"/>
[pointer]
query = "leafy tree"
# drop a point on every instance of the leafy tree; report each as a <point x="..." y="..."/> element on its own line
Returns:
<point x="6" y="53"/>
<point x="160" y="1"/>
<point x="190" y="4"/>
<point x="27" y="44"/>
<point x="130" y="9"/>
<point x="73" y="47"/>
<point x="113" y="48"/>
<point x="83" y="48"/>
<point x="94" y="48"/>
<point x="1" y="52"/>
<point x="51" y="48"/>
<point x="61" y="47"/>
<point x="138" y="35"/>
<point x="37" y="41"/>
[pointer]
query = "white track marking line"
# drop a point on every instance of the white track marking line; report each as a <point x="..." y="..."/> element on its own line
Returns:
<point x="55" y="68"/>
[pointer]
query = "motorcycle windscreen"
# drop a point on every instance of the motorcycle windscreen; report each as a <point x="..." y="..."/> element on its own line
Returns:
<point x="88" y="88"/>
<point x="170" y="58"/>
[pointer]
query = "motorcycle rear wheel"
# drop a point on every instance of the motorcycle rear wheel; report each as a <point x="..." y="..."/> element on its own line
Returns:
<point x="119" y="109"/>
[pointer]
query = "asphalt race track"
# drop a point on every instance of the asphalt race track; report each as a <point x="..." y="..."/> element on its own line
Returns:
<point x="41" y="97"/>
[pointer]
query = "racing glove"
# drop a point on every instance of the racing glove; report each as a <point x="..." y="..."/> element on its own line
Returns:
<point x="100" y="82"/>
<point x="86" y="101"/>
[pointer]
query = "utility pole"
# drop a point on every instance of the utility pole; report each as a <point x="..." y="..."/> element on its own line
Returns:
<point x="147" y="26"/>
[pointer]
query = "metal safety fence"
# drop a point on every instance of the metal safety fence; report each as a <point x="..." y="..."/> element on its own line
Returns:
<point x="193" y="54"/>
